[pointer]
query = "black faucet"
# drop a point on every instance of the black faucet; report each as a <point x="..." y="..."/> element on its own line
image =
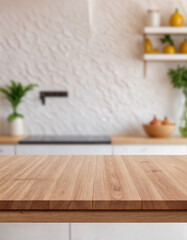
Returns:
<point x="44" y="94"/>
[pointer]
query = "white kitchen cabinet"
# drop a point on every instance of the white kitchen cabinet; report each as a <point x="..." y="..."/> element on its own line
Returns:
<point x="7" y="149"/>
<point x="94" y="149"/>
<point x="86" y="149"/>
<point x="36" y="231"/>
<point x="129" y="231"/>
<point x="63" y="149"/>
<point x="142" y="149"/>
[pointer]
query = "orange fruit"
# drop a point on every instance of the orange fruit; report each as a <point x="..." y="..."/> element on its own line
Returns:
<point x="166" y="121"/>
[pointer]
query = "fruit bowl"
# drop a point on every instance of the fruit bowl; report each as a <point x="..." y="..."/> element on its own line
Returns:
<point x="159" y="131"/>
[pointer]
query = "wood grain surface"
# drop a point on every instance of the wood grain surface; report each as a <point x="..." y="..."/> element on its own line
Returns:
<point x="147" y="140"/>
<point x="93" y="183"/>
<point x="5" y="139"/>
<point x="89" y="216"/>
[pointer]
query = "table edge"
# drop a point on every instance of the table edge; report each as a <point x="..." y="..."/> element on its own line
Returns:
<point x="93" y="216"/>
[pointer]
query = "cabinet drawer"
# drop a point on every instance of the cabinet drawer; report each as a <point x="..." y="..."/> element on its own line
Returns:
<point x="128" y="231"/>
<point x="142" y="149"/>
<point x="63" y="149"/>
<point x="36" y="231"/>
<point x="7" y="149"/>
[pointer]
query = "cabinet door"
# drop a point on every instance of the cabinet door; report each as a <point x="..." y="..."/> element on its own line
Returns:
<point x="128" y="231"/>
<point x="36" y="231"/>
<point x="64" y="149"/>
<point x="149" y="149"/>
<point x="7" y="149"/>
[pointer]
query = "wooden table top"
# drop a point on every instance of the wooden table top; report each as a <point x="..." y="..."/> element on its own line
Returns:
<point x="5" y="139"/>
<point x="147" y="140"/>
<point x="93" y="183"/>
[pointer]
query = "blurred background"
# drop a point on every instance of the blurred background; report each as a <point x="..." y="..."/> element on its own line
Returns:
<point x="93" y="50"/>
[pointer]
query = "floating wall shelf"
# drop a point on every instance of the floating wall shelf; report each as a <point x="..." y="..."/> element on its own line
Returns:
<point x="165" y="30"/>
<point x="163" y="57"/>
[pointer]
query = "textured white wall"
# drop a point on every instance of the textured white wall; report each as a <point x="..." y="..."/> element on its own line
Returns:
<point x="52" y="43"/>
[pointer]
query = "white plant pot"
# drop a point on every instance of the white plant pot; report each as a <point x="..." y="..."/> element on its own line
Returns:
<point x="16" y="127"/>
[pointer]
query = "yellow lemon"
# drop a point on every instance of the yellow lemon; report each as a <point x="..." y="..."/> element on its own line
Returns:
<point x="183" y="47"/>
<point x="169" y="49"/>
<point x="155" y="51"/>
<point x="176" y="19"/>
<point x="147" y="46"/>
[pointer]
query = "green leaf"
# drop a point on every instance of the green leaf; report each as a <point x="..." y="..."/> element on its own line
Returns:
<point x="6" y="92"/>
<point x="13" y="116"/>
<point x="178" y="78"/>
<point x="15" y="93"/>
<point x="30" y="87"/>
<point x="167" y="39"/>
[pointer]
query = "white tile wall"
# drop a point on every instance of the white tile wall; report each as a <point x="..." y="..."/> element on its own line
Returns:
<point x="50" y="43"/>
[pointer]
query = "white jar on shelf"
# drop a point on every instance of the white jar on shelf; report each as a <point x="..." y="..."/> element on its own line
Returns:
<point x="153" y="18"/>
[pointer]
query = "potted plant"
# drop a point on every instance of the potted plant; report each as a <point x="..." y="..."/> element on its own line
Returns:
<point x="15" y="93"/>
<point x="179" y="80"/>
